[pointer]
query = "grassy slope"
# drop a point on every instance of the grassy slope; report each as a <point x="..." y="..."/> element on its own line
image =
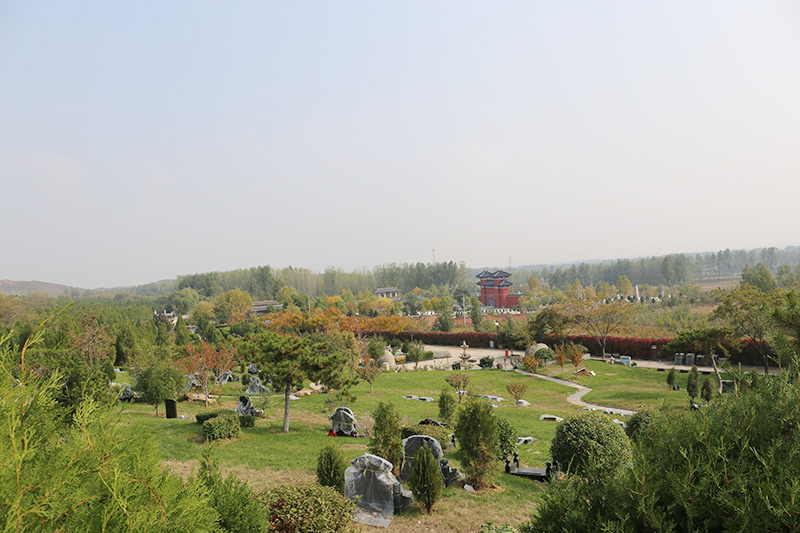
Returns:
<point x="265" y="457"/>
<point x="627" y="387"/>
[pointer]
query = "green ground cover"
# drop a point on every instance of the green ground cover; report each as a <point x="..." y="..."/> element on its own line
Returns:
<point x="265" y="449"/>
<point x="626" y="387"/>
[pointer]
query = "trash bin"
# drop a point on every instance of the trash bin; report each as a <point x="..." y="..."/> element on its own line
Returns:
<point x="171" y="407"/>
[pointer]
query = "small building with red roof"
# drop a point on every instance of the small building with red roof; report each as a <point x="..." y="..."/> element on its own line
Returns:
<point x="494" y="289"/>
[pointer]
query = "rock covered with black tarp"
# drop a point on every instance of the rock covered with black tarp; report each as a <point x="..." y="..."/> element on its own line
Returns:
<point x="245" y="407"/>
<point x="343" y="422"/>
<point x="228" y="376"/>
<point x="256" y="387"/>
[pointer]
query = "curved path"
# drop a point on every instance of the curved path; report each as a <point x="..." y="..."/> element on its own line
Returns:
<point x="577" y="397"/>
<point x="499" y="355"/>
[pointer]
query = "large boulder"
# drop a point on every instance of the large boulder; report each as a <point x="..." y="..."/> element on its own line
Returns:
<point x="388" y="360"/>
<point x="533" y="348"/>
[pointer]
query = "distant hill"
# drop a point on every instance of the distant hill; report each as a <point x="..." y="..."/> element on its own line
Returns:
<point x="21" y="288"/>
<point x="156" y="288"/>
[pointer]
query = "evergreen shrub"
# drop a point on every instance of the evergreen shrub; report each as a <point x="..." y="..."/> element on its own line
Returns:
<point x="694" y="472"/>
<point x="426" y="478"/>
<point x="247" y="421"/>
<point x="486" y="362"/>
<point x="386" y="439"/>
<point x="590" y="438"/>
<point x="224" y="426"/>
<point x="331" y="465"/>
<point x="441" y="434"/>
<point x="641" y="423"/>
<point x="507" y="438"/>
<point x="476" y="433"/>
<point x="200" y="418"/>
<point x="447" y="406"/>
<point x="671" y="377"/>
<point x="307" y="509"/>
<point x="239" y="510"/>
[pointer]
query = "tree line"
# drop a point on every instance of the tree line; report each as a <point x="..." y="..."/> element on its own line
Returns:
<point x="669" y="270"/>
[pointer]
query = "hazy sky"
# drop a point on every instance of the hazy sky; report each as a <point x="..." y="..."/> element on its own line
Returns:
<point x="143" y="140"/>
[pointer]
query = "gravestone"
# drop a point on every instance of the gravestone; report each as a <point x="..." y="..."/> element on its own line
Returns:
<point x="171" y="408"/>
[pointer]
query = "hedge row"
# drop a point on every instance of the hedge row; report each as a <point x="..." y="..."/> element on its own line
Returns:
<point x="637" y="348"/>
<point x="475" y="339"/>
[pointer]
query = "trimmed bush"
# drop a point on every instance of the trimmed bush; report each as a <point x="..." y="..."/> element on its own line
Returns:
<point x="439" y="433"/>
<point x="307" y="509"/>
<point x="200" y="418"/>
<point x="247" y="421"/>
<point x="637" y="348"/>
<point x="224" y="426"/>
<point x="486" y="362"/>
<point x="591" y="441"/>
<point x="331" y="465"/>
<point x="426" y="478"/>
<point x="545" y="354"/>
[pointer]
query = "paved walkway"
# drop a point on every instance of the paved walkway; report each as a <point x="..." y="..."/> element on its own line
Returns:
<point x="576" y="398"/>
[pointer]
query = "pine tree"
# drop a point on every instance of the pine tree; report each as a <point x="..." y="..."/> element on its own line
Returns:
<point x="331" y="465"/>
<point x="707" y="390"/>
<point x="182" y="334"/>
<point x="692" y="383"/>
<point x="476" y="433"/>
<point x="387" y="434"/>
<point x="447" y="406"/>
<point x="426" y="478"/>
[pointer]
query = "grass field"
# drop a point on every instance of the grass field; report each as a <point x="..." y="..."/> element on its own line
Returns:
<point x="266" y="457"/>
<point x="626" y="387"/>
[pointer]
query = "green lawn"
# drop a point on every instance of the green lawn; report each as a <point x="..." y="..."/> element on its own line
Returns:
<point x="265" y="451"/>
<point x="627" y="387"/>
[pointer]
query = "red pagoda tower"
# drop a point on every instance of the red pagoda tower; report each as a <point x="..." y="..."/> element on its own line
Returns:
<point x="494" y="289"/>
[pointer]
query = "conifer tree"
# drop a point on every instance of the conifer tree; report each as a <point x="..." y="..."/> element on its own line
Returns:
<point x="387" y="435"/>
<point x="331" y="465"/>
<point x="692" y="383"/>
<point x="288" y="360"/>
<point x="476" y="432"/>
<point x="426" y="478"/>
<point x="447" y="406"/>
<point x="671" y="378"/>
<point x="707" y="391"/>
